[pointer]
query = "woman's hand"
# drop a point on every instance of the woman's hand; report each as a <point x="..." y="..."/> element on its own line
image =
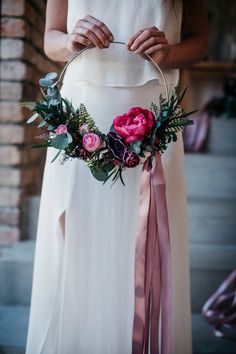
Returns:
<point x="150" y="41"/>
<point x="89" y="31"/>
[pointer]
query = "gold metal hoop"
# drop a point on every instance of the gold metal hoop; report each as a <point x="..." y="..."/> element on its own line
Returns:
<point x="114" y="42"/>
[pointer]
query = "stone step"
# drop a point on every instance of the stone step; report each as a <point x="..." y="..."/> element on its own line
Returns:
<point x="204" y="341"/>
<point x="210" y="176"/>
<point x="16" y="270"/>
<point x="203" y="284"/>
<point x="209" y="266"/>
<point x="222" y="136"/>
<point x="211" y="221"/>
<point x="212" y="257"/>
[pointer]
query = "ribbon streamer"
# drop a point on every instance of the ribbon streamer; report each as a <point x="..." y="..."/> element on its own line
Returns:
<point x="152" y="265"/>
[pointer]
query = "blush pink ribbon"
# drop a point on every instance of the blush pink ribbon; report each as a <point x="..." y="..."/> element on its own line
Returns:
<point x="152" y="281"/>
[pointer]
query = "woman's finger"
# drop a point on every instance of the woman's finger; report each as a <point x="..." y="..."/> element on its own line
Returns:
<point x="75" y="39"/>
<point x="145" y="35"/>
<point x="133" y="38"/>
<point x="149" y="43"/>
<point x="101" y="25"/>
<point x="90" y="30"/>
<point x="158" y="47"/>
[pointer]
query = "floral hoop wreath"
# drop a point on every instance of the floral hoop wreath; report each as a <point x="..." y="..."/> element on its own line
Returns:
<point x="137" y="136"/>
<point x="133" y="137"/>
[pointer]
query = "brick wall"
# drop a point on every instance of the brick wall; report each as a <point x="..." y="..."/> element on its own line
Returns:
<point x="22" y="64"/>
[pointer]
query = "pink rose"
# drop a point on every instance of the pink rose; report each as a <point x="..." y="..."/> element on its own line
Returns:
<point x="134" y="124"/>
<point x="91" y="142"/>
<point x="61" y="129"/>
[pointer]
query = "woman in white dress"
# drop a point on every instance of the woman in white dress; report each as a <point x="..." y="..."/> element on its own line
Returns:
<point x="83" y="284"/>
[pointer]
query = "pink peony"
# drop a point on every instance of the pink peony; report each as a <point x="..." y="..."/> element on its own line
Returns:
<point x="91" y="142"/>
<point x="134" y="124"/>
<point x="61" y="129"/>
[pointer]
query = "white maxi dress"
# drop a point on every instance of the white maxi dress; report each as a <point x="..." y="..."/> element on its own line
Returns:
<point x="82" y="298"/>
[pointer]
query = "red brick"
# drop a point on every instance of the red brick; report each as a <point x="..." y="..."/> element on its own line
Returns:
<point x="12" y="7"/>
<point x="9" y="216"/>
<point x="10" y="177"/>
<point x="11" y="134"/>
<point x="11" y="90"/>
<point x="39" y="60"/>
<point x="13" y="70"/>
<point x="34" y="17"/>
<point x="10" y="196"/>
<point x="9" y="235"/>
<point x="40" y="5"/>
<point x="29" y="155"/>
<point x="12" y="112"/>
<point x="13" y="27"/>
<point x="12" y="48"/>
<point x="9" y="155"/>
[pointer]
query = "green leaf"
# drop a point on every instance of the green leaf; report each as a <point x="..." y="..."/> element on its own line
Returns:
<point x="121" y="177"/>
<point x="41" y="145"/>
<point x="181" y="95"/>
<point x="57" y="154"/>
<point x="60" y="141"/>
<point x="42" y="123"/>
<point x="180" y="123"/>
<point x="70" y="139"/>
<point x="55" y="101"/>
<point x="98" y="173"/>
<point x="52" y="91"/>
<point x="48" y="116"/>
<point x="185" y="114"/>
<point x="45" y="82"/>
<point x="135" y="146"/>
<point x="51" y="76"/>
<point x="32" y="118"/>
<point x="68" y="105"/>
<point x="174" y="137"/>
<point x="51" y="127"/>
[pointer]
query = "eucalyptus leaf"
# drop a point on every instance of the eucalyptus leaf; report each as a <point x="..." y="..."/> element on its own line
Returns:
<point x="70" y="139"/>
<point x="42" y="123"/>
<point x="45" y="82"/>
<point x="54" y="101"/>
<point x="158" y="124"/>
<point x="48" y="116"/>
<point x="52" y="91"/>
<point x="51" y="76"/>
<point x="135" y="146"/>
<point x="51" y="127"/>
<point x="60" y="141"/>
<point x="32" y="118"/>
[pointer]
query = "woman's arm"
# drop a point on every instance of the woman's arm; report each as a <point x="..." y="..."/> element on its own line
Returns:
<point x="190" y="50"/>
<point x="55" y="35"/>
<point x="193" y="46"/>
<point x="59" y="45"/>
